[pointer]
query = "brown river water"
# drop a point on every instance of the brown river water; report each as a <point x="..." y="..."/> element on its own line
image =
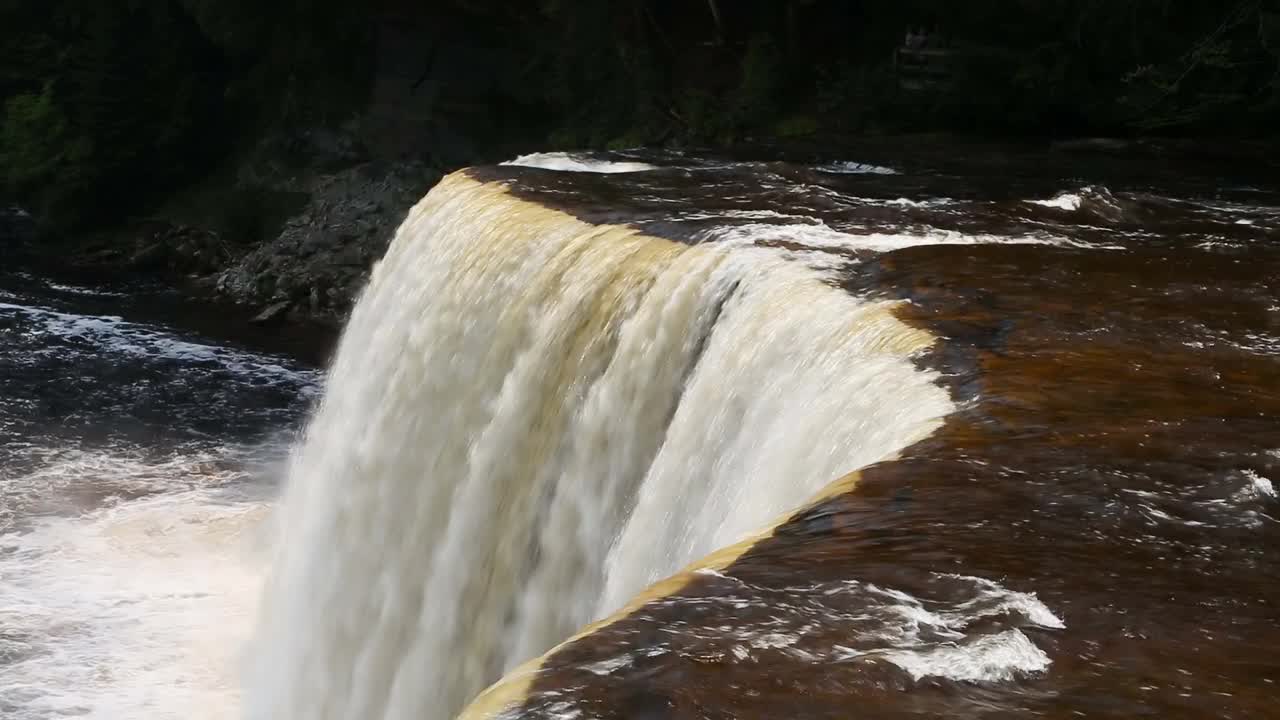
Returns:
<point x="1111" y="334"/>
<point x="1063" y="502"/>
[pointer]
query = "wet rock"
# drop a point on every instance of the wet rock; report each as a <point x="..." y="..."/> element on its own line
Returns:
<point x="290" y="159"/>
<point x="272" y="313"/>
<point x="322" y="256"/>
<point x="182" y="249"/>
<point x="148" y="256"/>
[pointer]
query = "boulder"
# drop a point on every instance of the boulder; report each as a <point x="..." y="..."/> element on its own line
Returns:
<point x="272" y="313"/>
<point x="177" y="248"/>
<point x="321" y="258"/>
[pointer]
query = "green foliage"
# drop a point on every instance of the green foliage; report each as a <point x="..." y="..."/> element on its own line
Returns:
<point x="109" y="105"/>
<point x="109" y="117"/>
<point x="665" y="70"/>
<point x="797" y="126"/>
<point x="853" y="97"/>
<point x="703" y="116"/>
<point x="757" y="98"/>
<point x="34" y="139"/>
<point x="1228" y="78"/>
<point x="295" y="61"/>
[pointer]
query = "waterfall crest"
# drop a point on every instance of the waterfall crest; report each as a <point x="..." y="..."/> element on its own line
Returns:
<point x="529" y="420"/>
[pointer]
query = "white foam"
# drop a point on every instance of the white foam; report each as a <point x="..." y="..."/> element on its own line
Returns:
<point x="608" y="667"/>
<point x="1259" y="486"/>
<point x="135" y="610"/>
<point x="1061" y="201"/>
<point x="1218" y="243"/>
<point x="63" y="481"/>
<point x="737" y="215"/>
<point x="577" y="162"/>
<point x="113" y="334"/>
<point x="818" y="236"/>
<point x="72" y="289"/>
<point x="990" y="658"/>
<point x="849" y="167"/>
<point x="925" y="203"/>
<point x="1258" y="343"/>
<point x="79" y="290"/>
<point x="901" y="202"/>
<point x="994" y="599"/>
<point x="978" y="635"/>
<point x="942" y="642"/>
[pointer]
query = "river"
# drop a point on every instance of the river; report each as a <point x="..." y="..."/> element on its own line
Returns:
<point x="983" y="436"/>
<point x="137" y="468"/>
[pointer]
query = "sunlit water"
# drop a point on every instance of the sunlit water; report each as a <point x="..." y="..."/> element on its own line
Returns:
<point x="136" y="474"/>
<point x="532" y="419"/>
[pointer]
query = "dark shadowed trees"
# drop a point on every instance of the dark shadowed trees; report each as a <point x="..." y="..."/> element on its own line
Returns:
<point x="108" y="104"/>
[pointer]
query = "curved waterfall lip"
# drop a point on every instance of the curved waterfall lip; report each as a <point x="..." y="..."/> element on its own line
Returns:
<point x="591" y="442"/>
<point x="530" y="419"/>
<point x="578" y="162"/>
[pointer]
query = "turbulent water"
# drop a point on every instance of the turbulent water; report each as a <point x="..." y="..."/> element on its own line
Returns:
<point x="532" y="418"/>
<point x="135" y="474"/>
<point x="679" y="436"/>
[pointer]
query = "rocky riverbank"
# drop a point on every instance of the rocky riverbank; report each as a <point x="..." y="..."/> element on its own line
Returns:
<point x="235" y="241"/>
<point x="290" y="233"/>
<point x="320" y="259"/>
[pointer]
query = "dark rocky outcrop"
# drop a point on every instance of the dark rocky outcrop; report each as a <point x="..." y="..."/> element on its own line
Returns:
<point x="179" y="249"/>
<point x="320" y="260"/>
<point x="151" y="248"/>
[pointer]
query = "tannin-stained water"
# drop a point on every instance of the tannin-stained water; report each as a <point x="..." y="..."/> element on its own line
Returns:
<point x="575" y="378"/>
<point x="514" y="421"/>
<point x="1056" y="377"/>
<point x="1089" y="534"/>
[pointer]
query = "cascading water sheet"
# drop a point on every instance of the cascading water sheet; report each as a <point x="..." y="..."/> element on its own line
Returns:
<point x="530" y="418"/>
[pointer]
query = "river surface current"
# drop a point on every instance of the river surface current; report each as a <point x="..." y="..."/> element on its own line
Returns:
<point x="137" y="465"/>
<point x="1091" y="533"/>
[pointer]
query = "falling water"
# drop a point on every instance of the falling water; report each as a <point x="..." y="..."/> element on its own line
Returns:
<point x="530" y="419"/>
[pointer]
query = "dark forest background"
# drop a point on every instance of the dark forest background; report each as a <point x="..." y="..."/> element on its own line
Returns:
<point x="109" y="105"/>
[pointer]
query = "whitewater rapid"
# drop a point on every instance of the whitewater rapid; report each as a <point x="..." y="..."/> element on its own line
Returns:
<point x="138" y="607"/>
<point x="531" y="418"/>
<point x="137" y="471"/>
<point x="555" y="452"/>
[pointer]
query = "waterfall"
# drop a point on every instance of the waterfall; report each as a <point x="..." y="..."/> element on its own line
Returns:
<point x="529" y="420"/>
